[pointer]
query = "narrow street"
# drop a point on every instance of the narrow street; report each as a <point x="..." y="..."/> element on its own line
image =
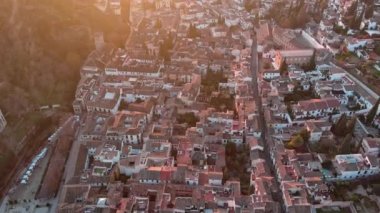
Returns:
<point x="256" y="67"/>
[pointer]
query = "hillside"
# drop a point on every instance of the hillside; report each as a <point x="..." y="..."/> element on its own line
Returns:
<point x="44" y="43"/>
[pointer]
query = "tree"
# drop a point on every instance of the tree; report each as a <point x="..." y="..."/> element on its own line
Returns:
<point x="345" y="146"/>
<point x="339" y="127"/>
<point x="163" y="52"/>
<point x="189" y="118"/>
<point x="344" y="126"/>
<point x="351" y="11"/>
<point x="249" y="5"/>
<point x="305" y="135"/>
<point x="230" y="149"/>
<point x="369" y="11"/>
<point x="290" y="8"/>
<point x="339" y="29"/>
<point x="283" y="67"/>
<point x="350" y="126"/>
<point x="165" y="47"/>
<point x="296" y="141"/>
<point x="302" y="17"/>
<point x="174" y="153"/>
<point x="327" y="164"/>
<point x="372" y="113"/>
<point x="311" y="65"/>
<point x="356" y="21"/>
<point x="377" y="48"/>
<point x="73" y="59"/>
<point x="221" y="20"/>
<point x="193" y="32"/>
<point x="146" y="5"/>
<point x="158" y="24"/>
<point x="267" y="65"/>
<point x="125" y="10"/>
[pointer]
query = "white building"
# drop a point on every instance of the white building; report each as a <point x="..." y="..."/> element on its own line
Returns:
<point x="218" y="32"/>
<point x="215" y="178"/>
<point x="316" y="129"/>
<point x="136" y="70"/>
<point x="316" y="108"/>
<point x="336" y="73"/>
<point x="271" y="74"/>
<point x="372" y="25"/>
<point x="354" y="44"/>
<point x="355" y="166"/>
<point x="371" y="146"/>
<point x="107" y="154"/>
<point x="221" y="118"/>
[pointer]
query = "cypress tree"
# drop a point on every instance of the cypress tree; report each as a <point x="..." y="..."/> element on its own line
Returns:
<point x="369" y="11"/>
<point x="352" y="9"/>
<point x="350" y="126"/>
<point x="345" y="147"/>
<point x="283" y="67"/>
<point x="372" y="113"/>
<point x="339" y="128"/>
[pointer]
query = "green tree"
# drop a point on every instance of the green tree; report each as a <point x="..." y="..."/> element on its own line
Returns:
<point x="249" y="5"/>
<point x="305" y="135"/>
<point x="116" y="174"/>
<point x="311" y="65"/>
<point x="230" y="149"/>
<point x="377" y="48"/>
<point x="344" y="126"/>
<point x="296" y="141"/>
<point x="283" y="67"/>
<point x="174" y="153"/>
<point x="372" y="113"/>
<point x="369" y="11"/>
<point x="158" y="24"/>
<point x="340" y="30"/>
<point x="350" y="126"/>
<point x="339" y="128"/>
<point x="165" y="47"/>
<point x="356" y="21"/>
<point x="189" y="118"/>
<point x="327" y="164"/>
<point x="221" y="20"/>
<point x="193" y="32"/>
<point x="351" y="11"/>
<point x="146" y="5"/>
<point x="125" y="10"/>
<point x="345" y="146"/>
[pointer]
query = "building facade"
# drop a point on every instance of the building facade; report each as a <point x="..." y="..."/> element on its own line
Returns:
<point x="296" y="57"/>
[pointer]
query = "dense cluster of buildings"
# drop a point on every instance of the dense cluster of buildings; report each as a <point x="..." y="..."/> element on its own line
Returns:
<point x="136" y="156"/>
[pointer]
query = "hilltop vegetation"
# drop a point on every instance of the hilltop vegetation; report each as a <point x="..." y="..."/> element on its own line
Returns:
<point x="297" y="14"/>
<point x="44" y="43"/>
